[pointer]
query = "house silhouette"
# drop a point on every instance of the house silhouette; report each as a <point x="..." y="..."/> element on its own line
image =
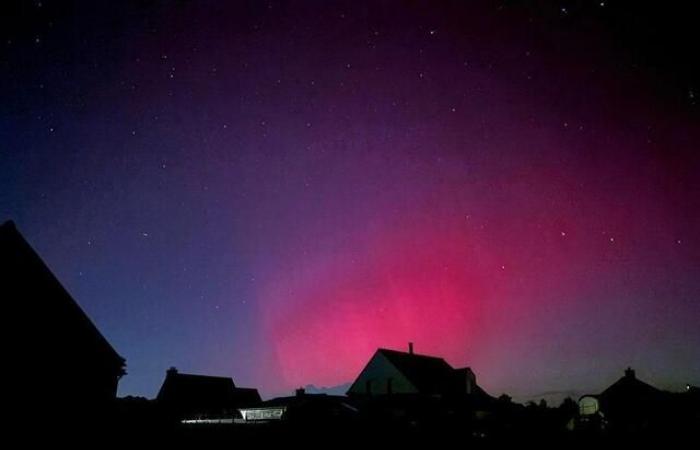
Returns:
<point x="188" y="396"/>
<point x="627" y="404"/>
<point x="60" y="363"/>
<point x="303" y="407"/>
<point x="631" y="401"/>
<point x="391" y="372"/>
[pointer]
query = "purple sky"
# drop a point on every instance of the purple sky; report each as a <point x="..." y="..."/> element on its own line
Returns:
<point x="272" y="190"/>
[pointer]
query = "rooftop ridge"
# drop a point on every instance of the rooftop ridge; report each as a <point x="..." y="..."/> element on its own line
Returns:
<point x="420" y="355"/>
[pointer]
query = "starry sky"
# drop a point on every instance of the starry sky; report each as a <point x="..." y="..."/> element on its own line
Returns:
<point x="271" y="190"/>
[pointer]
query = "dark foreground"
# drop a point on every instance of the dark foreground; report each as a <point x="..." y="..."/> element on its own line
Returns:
<point x="508" y="425"/>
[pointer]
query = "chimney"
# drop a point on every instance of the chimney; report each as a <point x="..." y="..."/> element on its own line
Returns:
<point x="629" y="373"/>
<point x="171" y="371"/>
<point x="300" y="392"/>
<point x="410" y="348"/>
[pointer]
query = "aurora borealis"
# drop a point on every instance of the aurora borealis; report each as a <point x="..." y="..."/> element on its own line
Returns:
<point x="272" y="190"/>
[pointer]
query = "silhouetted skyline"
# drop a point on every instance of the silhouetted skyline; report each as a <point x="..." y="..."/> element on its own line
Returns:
<point x="271" y="191"/>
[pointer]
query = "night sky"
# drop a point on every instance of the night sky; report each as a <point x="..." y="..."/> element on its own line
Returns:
<point x="272" y="190"/>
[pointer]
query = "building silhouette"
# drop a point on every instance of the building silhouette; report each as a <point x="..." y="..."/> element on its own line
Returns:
<point x="60" y="363"/>
<point x="391" y="372"/>
<point x="186" y="396"/>
<point x="303" y="407"/>
<point x="627" y="405"/>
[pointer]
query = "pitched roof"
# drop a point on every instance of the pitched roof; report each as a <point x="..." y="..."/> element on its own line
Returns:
<point x="51" y="310"/>
<point x="629" y="386"/>
<point x="190" y="390"/>
<point x="246" y="396"/>
<point x="185" y="386"/>
<point x="429" y="374"/>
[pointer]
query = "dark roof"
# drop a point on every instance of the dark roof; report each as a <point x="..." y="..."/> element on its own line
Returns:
<point x="246" y="396"/>
<point x="429" y="374"/>
<point x="202" y="391"/>
<point x="182" y="386"/>
<point x="629" y="386"/>
<point x="319" y="407"/>
<point x="305" y="399"/>
<point x="50" y="312"/>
